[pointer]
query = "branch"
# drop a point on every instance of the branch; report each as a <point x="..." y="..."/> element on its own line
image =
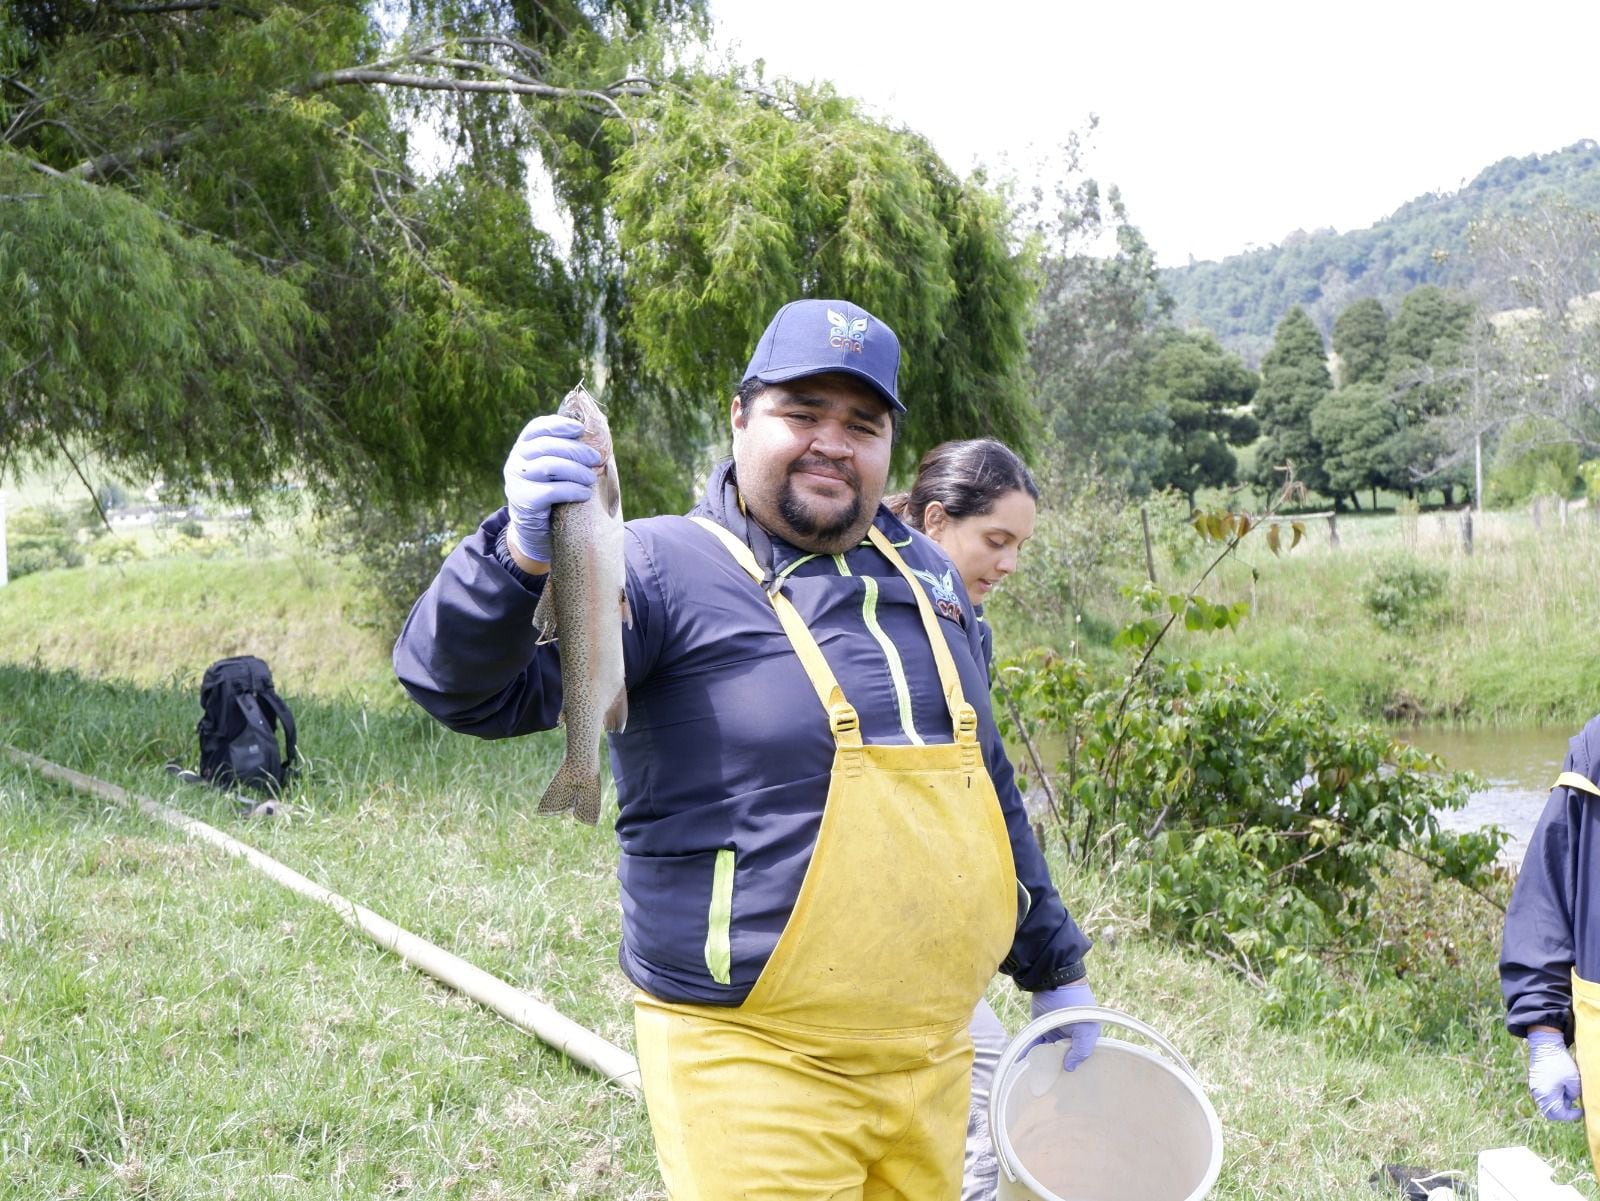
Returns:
<point x="499" y="87"/>
<point x="183" y="6"/>
<point x="78" y="471"/>
<point x="121" y="160"/>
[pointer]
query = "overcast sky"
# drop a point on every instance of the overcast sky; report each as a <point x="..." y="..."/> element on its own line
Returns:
<point x="1227" y="125"/>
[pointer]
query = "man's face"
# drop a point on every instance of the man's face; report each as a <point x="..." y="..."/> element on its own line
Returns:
<point x="812" y="458"/>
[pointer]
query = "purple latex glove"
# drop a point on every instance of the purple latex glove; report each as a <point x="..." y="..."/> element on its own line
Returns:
<point x="548" y="466"/>
<point x="1084" y="1035"/>
<point x="1553" y="1077"/>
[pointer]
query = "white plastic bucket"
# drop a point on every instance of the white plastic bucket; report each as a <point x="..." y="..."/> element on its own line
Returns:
<point x="1127" y="1124"/>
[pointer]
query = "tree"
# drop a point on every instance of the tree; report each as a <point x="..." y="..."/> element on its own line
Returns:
<point x="1546" y="261"/>
<point x="1355" y="427"/>
<point x="1360" y="339"/>
<point x="222" y="267"/>
<point x="1429" y="325"/>
<point x="1091" y="335"/>
<point x="1294" y="381"/>
<point x="1203" y="391"/>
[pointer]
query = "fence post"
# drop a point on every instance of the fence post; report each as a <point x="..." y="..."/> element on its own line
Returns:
<point x="1466" y="529"/>
<point x="1538" y="510"/>
<point x="1149" y="558"/>
<point x="1333" y="530"/>
<point x="1561" y="507"/>
<point x="4" y="576"/>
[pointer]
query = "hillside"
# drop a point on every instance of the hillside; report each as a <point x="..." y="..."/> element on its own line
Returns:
<point x="1243" y="297"/>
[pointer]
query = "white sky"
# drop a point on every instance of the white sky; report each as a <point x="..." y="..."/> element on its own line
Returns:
<point x="1227" y="124"/>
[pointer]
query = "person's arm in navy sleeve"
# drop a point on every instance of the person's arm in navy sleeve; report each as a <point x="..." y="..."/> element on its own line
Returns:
<point x="1538" y="949"/>
<point x="469" y="653"/>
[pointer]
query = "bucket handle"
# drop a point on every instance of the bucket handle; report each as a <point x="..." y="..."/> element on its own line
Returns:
<point x="1054" y="1020"/>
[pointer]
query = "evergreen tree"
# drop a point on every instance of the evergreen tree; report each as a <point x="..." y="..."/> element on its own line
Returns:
<point x="1203" y="391"/>
<point x="1294" y="380"/>
<point x="1360" y="339"/>
<point x="1355" y="427"/>
<point x="1431" y="323"/>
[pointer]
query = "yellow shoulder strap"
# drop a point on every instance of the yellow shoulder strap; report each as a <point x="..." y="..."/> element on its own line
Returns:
<point x="962" y="716"/>
<point x="1571" y="779"/>
<point x="842" y="717"/>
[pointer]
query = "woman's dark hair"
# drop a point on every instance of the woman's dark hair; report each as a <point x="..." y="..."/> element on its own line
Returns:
<point x="967" y="478"/>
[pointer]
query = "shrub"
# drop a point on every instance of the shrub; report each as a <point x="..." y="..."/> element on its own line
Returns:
<point x="1404" y="594"/>
<point x="118" y="548"/>
<point x="41" y="539"/>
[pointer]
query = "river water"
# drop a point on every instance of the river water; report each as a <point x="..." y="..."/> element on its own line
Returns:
<point x="1517" y="768"/>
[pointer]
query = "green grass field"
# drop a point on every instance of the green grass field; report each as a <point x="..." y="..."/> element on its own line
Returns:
<point x="173" y="1025"/>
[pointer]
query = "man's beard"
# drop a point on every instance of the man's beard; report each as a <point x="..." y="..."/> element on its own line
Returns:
<point x="824" y="532"/>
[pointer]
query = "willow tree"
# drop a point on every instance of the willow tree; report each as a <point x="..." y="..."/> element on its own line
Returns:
<point x="220" y="262"/>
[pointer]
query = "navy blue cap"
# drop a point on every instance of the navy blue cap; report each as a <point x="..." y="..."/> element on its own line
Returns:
<point x="811" y="337"/>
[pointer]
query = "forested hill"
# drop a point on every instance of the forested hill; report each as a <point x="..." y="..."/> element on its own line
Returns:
<point x="1243" y="298"/>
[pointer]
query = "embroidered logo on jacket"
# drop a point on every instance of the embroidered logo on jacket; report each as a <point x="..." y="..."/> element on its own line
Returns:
<point x="943" y="590"/>
<point x="844" y="334"/>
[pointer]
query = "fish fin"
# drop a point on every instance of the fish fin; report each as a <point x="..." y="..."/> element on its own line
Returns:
<point x="607" y="488"/>
<point x="627" y="612"/>
<point x="544" y="616"/>
<point x="574" y="789"/>
<point x="617" y="713"/>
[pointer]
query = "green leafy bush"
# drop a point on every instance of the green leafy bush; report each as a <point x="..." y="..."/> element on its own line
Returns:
<point x="41" y="539"/>
<point x="1260" y="827"/>
<point x="117" y="548"/>
<point x="1403" y="594"/>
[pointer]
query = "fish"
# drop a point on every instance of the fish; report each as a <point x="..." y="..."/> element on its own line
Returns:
<point x="583" y="610"/>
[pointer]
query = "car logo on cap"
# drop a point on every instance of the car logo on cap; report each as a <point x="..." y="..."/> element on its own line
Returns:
<point x="845" y="334"/>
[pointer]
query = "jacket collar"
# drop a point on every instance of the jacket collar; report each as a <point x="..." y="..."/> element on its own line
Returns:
<point x="721" y="504"/>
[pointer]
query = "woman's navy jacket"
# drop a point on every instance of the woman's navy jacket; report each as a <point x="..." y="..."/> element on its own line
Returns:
<point x="1552" y="927"/>
<point x="726" y="745"/>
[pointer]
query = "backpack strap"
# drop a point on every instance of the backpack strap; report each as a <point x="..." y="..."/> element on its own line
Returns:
<point x="286" y="720"/>
<point x="1571" y="779"/>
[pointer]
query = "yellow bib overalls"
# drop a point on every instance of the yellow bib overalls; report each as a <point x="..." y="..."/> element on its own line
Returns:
<point x="1586" y="1020"/>
<point x="844" y="1074"/>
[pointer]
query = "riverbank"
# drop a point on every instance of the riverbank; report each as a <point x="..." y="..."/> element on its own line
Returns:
<point x="1397" y="622"/>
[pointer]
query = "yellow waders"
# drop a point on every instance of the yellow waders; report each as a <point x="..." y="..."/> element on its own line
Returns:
<point x="1586" y="1017"/>
<point x="844" y="1074"/>
<point x="1586" y="1050"/>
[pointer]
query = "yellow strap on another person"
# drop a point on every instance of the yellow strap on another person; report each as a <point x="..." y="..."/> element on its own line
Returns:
<point x="1571" y="779"/>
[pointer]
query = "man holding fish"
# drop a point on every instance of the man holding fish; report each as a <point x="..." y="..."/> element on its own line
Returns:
<point x="824" y="852"/>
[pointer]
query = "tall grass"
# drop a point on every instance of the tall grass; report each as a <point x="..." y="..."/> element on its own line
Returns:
<point x="1512" y="640"/>
<point x="162" y="620"/>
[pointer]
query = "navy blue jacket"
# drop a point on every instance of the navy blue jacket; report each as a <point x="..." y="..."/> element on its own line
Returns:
<point x="726" y="745"/>
<point x="1552" y="926"/>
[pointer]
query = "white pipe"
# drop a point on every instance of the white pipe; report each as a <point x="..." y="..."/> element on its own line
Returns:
<point x="516" y="1006"/>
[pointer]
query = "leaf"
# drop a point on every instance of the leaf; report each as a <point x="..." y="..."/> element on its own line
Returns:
<point x="1299" y="528"/>
<point x="1272" y="538"/>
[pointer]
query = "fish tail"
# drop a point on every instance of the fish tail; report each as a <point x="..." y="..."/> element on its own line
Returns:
<point x="575" y="789"/>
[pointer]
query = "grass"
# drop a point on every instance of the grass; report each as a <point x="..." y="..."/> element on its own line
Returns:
<point x="176" y="1026"/>
<point x="163" y="620"/>
<point x="173" y="1025"/>
<point x="1510" y="643"/>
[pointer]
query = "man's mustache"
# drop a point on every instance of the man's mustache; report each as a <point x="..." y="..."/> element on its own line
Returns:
<point x="826" y="467"/>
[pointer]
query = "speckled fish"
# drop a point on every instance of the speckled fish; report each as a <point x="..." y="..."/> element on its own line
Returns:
<point x="583" y="608"/>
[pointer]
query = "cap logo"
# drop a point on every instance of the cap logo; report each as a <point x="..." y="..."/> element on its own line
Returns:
<point x="844" y="334"/>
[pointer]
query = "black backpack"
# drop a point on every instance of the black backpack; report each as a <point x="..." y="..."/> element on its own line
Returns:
<point x="240" y="715"/>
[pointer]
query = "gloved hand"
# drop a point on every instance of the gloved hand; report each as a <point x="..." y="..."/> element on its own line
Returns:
<point x="1084" y="1035"/>
<point x="1552" y="1076"/>
<point x="548" y="466"/>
